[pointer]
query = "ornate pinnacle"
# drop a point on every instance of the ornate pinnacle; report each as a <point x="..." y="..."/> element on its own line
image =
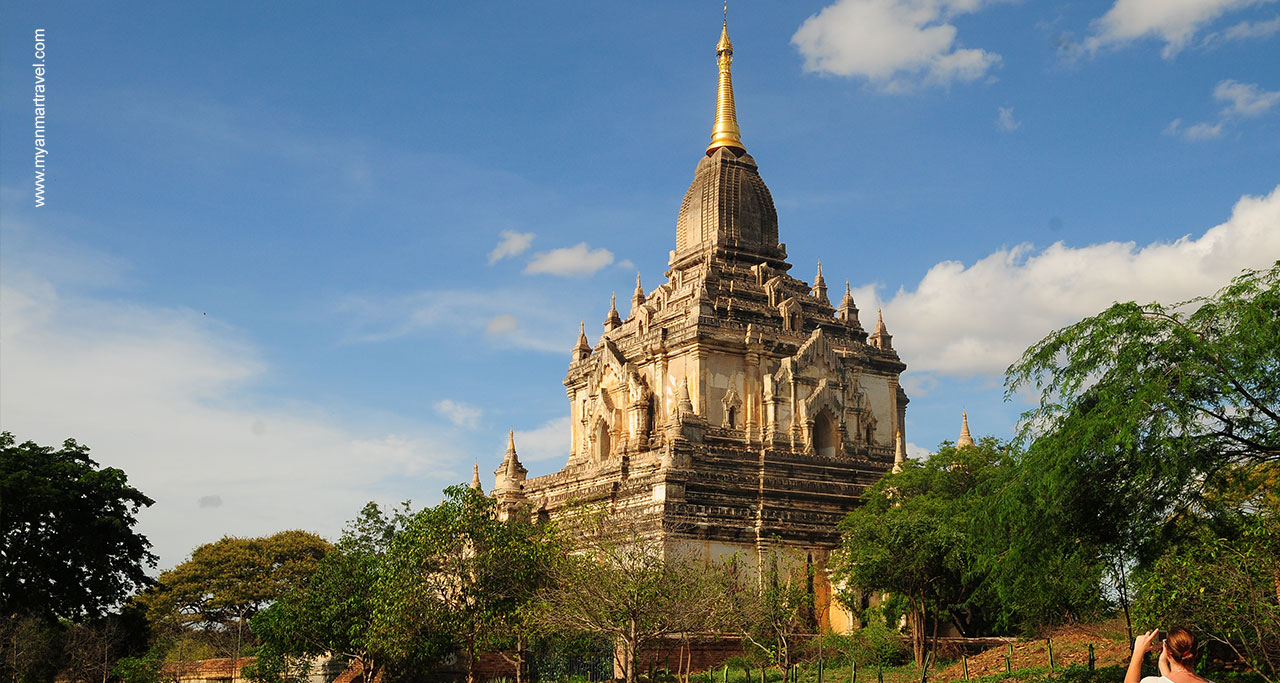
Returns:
<point x="965" y="439"/>
<point x="820" y="286"/>
<point x="725" y="133"/>
<point x="881" y="339"/>
<point x="510" y="473"/>
<point x="475" y="478"/>
<point x="637" y="299"/>
<point x="612" y="321"/>
<point x="583" y="348"/>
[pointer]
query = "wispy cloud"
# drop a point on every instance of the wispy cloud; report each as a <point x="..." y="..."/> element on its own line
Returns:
<point x="579" y="260"/>
<point x="966" y="321"/>
<point x="1176" y="23"/>
<point x="512" y="243"/>
<point x="168" y="395"/>
<point x="1245" y="100"/>
<point x="898" y="45"/>
<point x="1242" y="100"/>
<point x="524" y="319"/>
<point x="1005" y="120"/>
<point x="1197" y="132"/>
<point x="459" y="413"/>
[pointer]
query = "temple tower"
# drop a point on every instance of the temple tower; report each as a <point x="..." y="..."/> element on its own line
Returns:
<point x="734" y="411"/>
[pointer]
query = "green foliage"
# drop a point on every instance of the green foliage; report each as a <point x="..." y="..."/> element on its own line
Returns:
<point x="773" y="611"/>
<point x="66" y="528"/>
<point x="1224" y="589"/>
<point x="458" y="575"/>
<point x="1144" y="412"/>
<point x="914" y="536"/>
<point x="619" y="585"/>
<point x="141" y="669"/>
<point x="334" y="611"/>
<point x="1149" y="405"/>
<point x="868" y="646"/>
<point x="230" y="580"/>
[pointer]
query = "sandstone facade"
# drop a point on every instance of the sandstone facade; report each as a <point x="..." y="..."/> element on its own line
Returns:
<point x="734" y="410"/>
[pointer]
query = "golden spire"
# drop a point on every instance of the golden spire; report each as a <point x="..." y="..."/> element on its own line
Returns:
<point x="965" y="439"/>
<point x="725" y="133"/>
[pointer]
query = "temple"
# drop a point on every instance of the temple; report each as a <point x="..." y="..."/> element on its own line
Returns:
<point x="734" y="410"/>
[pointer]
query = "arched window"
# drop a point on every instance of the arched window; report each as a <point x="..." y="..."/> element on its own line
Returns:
<point x="733" y="415"/>
<point x="603" y="445"/>
<point x="826" y="435"/>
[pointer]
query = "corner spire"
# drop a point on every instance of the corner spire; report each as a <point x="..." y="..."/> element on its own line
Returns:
<point x="637" y="299"/>
<point x="510" y="473"/>
<point x="475" y="478"/>
<point x="583" y="347"/>
<point x="820" y="286"/>
<point x="881" y="339"/>
<point x="612" y="321"/>
<point x="725" y="133"/>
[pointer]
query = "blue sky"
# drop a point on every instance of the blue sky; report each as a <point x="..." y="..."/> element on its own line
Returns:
<point x="297" y="256"/>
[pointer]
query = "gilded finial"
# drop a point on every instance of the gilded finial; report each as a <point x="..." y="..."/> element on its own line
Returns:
<point x="725" y="133"/>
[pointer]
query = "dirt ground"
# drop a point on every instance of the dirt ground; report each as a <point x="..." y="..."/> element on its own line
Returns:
<point x="1070" y="646"/>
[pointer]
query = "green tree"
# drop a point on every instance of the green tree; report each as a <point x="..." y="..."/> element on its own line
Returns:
<point x="67" y="543"/>
<point x="771" y="607"/>
<point x="334" y="612"/>
<point x="226" y="582"/>
<point x="1222" y="589"/>
<point x="621" y="586"/>
<point x="1143" y="411"/>
<point x="459" y="574"/>
<point x="1151" y="405"/>
<point x="913" y="536"/>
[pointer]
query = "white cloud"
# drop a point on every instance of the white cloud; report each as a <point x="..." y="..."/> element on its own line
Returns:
<point x="1245" y="99"/>
<point x="1196" y="132"/>
<point x="918" y="452"/>
<point x="166" y="394"/>
<point x="1246" y="30"/>
<point x="512" y="243"/>
<point x="460" y="414"/>
<point x="1176" y="22"/>
<point x="897" y="44"/>
<point x="549" y="441"/>
<point x="521" y="319"/>
<point x="1005" y="119"/>
<point x="502" y="324"/>
<point x="976" y="320"/>
<point x="579" y="260"/>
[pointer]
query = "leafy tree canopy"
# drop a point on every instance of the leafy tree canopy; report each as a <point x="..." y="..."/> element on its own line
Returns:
<point x="67" y="543"/>
<point x="334" y="611"/>
<point x="1144" y="408"/>
<point x="913" y="536"/>
<point x="230" y="580"/>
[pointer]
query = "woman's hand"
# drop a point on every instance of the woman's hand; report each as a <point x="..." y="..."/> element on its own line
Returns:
<point x="1140" y="646"/>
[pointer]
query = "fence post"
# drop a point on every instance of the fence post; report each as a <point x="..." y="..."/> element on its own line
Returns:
<point x="924" y="675"/>
<point x="1048" y="642"/>
<point x="879" y="673"/>
<point x="820" y="668"/>
<point x="1091" y="656"/>
<point x="853" y="670"/>
<point x="964" y="660"/>
<point x="1008" y="660"/>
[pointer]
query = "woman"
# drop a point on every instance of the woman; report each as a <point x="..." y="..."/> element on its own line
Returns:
<point x="1177" y="658"/>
